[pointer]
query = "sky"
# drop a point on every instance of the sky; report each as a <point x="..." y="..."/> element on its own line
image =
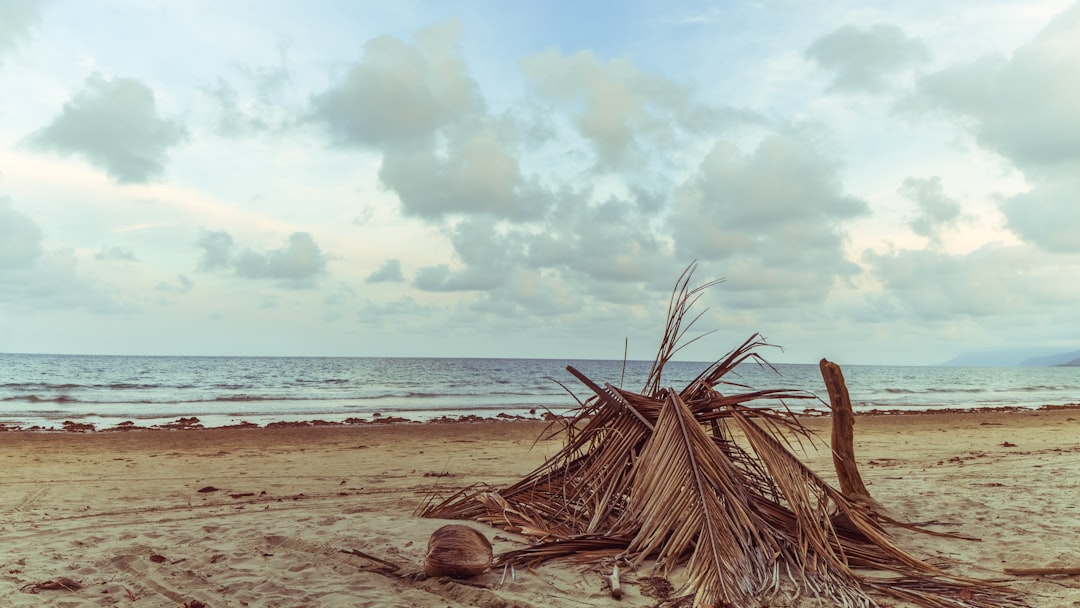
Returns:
<point x="874" y="182"/>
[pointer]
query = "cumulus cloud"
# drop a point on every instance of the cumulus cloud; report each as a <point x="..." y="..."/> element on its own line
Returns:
<point x="611" y="241"/>
<point x="389" y="272"/>
<point x="990" y="281"/>
<point x="476" y="174"/>
<point x="400" y="95"/>
<point x="300" y="261"/>
<point x="116" y="253"/>
<point x="418" y="105"/>
<point x="17" y="19"/>
<point x="488" y="254"/>
<point x="607" y="249"/>
<point x="1049" y="214"/>
<point x="33" y="279"/>
<point x="863" y="59"/>
<point x="53" y="282"/>
<point x="296" y="265"/>
<point x="114" y="124"/>
<point x="772" y="219"/>
<point x="619" y="108"/>
<point x="441" y="278"/>
<point x="181" y="286"/>
<point x="1023" y="107"/>
<point x="936" y="210"/>
<point x="531" y="292"/>
<point x="217" y="246"/>
<point x="20" y="237"/>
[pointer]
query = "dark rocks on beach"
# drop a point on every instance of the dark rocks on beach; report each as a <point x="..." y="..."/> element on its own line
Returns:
<point x="183" y="424"/>
<point x="287" y="424"/>
<point x="390" y="420"/>
<point x="243" y="424"/>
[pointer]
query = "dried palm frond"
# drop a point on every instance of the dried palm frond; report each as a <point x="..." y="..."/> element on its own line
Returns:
<point x="687" y="497"/>
<point x="710" y="482"/>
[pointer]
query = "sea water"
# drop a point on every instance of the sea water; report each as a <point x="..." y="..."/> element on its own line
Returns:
<point x="46" y="390"/>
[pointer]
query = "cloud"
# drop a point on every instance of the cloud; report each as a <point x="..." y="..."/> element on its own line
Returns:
<point x="337" y="302"/>
<point x="419" y="106"/>
<point x="182" y="285"/>
<point x="1024" y="107"/>
<point x="53" y="282"/>
<point x="441" y="278"/>
<point x="604" y="249"/>
<point x="771" y="220"/>
<point x="17" y="19"/>
<point x="299" y="262"/>
<point x="256" y="103"/>
<point x="936" y="210"/>
<point x="1048" y="214"/>
<point x="389" y="272"/>
<point x="296" y="265"/>
<point x="1021" y="106"/>
<point x="114" y="125"/>
<point x="619" y="108"/>
<point x="489" y="255"/>
<point x="20" y="237"/>
<point x="863" y="59"/>
<point x="531" y="292"/>
<point x="33" y="279"/>
<point x="611" y="241"/>
<point x="217" y="246"/>
<point x="477" y="174"/>
<point x="400" y="95"/>
<point x="232" y="116"/>
<point x="993" y="280"/>
<point x="116" y="253"/>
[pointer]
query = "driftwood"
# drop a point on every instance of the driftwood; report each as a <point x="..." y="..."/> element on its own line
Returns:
<point x="1043" y="571"/>
<point x="843" y="434"/>
<point x="615" y="583"/>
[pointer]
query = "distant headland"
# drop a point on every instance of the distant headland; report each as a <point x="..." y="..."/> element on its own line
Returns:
<point x="1016" y="358"/>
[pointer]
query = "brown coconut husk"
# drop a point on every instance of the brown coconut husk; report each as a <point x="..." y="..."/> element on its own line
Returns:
<point x="458" y="552"/>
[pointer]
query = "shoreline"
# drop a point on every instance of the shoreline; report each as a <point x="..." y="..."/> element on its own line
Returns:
<point x="194" y="423"/>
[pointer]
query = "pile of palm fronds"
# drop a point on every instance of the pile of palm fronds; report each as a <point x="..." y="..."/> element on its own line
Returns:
<point x="708" y="482"/>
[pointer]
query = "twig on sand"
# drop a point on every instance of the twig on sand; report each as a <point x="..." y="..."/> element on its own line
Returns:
<point x="360" y="553"/>
<point x="61" y="584"/>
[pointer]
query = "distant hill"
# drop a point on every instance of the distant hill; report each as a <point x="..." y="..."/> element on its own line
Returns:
<point x="1052" y="360"/>
<point x="1074" y="363"/>
<point x="1014" y="358"/>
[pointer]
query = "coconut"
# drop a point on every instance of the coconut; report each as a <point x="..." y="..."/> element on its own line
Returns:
<point x="458" y="552"/>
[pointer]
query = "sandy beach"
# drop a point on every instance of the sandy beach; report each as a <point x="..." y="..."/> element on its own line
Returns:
<point x="323" y="516"/>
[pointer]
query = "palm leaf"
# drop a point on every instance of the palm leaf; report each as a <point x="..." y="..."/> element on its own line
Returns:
<point x="687" y="498"/>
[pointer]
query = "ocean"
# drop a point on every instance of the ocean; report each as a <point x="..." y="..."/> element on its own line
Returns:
<point x="44" y="391"/>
